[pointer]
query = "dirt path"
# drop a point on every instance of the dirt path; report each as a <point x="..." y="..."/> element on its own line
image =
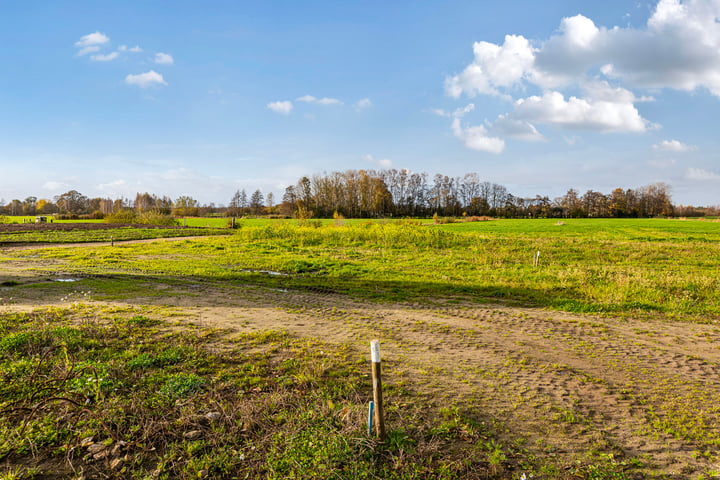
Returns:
<point x="562" y="384"/>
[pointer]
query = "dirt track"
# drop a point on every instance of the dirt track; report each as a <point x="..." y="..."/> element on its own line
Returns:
<point x="566" y="384"/>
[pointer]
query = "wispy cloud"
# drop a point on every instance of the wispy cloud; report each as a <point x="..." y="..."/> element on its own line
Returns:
<point x="383" y="162"/>
<point x="439" y="111"/>
<point x="116" y="187"/>
<point x="54" y="186"/>
<point x="104" y="58"/>
<point x="701" y="174"/>
<point x="363" y="103"/>
<point x="320" y="101"/>
<point x="458" y="113"/>
<point x="660" y="163"/>
<point x="145" y="80"/>
<point x="135" y="49"/>
<point x="87" y="50"/>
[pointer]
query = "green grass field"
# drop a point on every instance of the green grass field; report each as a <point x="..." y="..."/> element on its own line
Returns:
<point x="244" y="355"/>
<point x="127" y="382"/>
<point x="104" y="235"/>
<point x="663" y="267"/>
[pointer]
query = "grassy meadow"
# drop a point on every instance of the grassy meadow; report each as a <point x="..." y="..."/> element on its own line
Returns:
<point x="177" y="359"/>
<point x="618" y="267"/>
<point x="93" y="385"/>
<point x="104" y="235"/>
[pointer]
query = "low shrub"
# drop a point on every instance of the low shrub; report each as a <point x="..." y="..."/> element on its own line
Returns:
<point x="121" y="216"/>
<point x="145" y="218"/>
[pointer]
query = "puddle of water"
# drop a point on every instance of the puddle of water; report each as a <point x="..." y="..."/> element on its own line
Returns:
<point x="66" y="280"/>
<point x="267" y="272"/>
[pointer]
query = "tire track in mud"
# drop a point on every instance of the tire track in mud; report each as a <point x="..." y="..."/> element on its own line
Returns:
<point x="570" y="382"/>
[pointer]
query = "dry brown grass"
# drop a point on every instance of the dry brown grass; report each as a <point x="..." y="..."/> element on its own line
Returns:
<point x="475" y="218"/>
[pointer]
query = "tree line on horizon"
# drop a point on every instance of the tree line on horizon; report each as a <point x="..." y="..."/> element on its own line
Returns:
<point x="379" y="194"/>
<point x="401" y="193"/>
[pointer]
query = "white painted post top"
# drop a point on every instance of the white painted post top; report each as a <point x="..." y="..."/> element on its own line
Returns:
<point x="375" y="351"/>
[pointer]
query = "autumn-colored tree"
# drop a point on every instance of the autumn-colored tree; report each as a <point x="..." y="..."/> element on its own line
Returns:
<point x="617" y="203"/>
<point x="185" y="206"/>
<point x="46" y="207"/>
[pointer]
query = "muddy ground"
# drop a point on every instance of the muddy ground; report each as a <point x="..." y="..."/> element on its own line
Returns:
<point x="568" y="386"/>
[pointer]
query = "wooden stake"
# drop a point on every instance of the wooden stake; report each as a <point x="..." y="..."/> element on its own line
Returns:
<point x="377" y="390"/>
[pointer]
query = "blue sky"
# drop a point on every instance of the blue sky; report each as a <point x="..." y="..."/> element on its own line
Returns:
<point x="203" y="98"/>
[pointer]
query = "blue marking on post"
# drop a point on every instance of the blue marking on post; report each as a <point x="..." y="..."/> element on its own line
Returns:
<point x="370" y="418"/>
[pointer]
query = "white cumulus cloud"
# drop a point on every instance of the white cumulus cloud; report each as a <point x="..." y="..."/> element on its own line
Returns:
<point x="91" y="39"/>
<point x="674" y="146"/>
<point x="164" y="58"/>
<point x="580" y="113"/>
<point x="145" y="80"/>
<point x="678" y="48"/>
<point x="477" y="138"/>
<point x="282" y="107"/>
<point x="494" y="66"/>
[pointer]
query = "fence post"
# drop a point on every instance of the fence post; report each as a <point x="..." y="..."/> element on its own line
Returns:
<point x="377" y="389"/>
